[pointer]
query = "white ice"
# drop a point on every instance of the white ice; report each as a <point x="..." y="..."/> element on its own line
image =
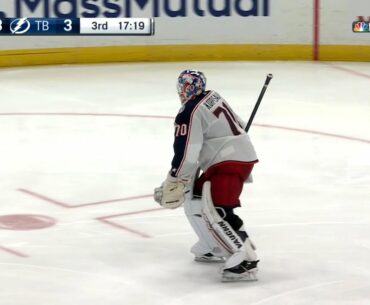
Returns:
<point x="66" y="140"/>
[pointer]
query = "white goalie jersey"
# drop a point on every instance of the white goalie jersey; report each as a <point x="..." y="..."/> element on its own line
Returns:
<point x="208" y="132"/>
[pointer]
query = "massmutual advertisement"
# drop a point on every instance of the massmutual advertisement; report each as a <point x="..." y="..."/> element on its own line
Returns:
<point x="133" y="8"/>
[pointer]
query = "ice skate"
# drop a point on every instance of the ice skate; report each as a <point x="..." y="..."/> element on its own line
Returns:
<point x="205" y="252"/>
<point x="245" y="271"/>
<point x="209" y="258"/>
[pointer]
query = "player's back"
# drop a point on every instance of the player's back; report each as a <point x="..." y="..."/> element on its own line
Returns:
<point x="224" y="137"/>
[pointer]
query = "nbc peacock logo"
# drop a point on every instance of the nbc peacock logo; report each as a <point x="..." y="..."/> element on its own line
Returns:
<point x="360" y="27"/>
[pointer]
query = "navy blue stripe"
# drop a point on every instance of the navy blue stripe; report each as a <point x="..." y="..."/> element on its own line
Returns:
<point x="179" y="145"/>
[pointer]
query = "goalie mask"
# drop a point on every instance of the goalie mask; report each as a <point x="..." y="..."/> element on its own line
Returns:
<point x="190" y="83"/>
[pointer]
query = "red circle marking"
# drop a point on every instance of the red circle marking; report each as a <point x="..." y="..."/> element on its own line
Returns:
<point x="19" y="222"/>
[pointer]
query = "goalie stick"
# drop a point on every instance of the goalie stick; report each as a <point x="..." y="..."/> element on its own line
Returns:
<point x="259" y="100"/>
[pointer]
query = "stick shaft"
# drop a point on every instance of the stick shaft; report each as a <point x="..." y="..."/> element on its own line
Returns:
<point x="264" y="88"/>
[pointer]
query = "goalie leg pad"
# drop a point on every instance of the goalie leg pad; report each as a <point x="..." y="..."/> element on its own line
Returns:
<point x="234" y="220"/>
<point x="206" y="243"/>
<point x="224" y="233"/>
<point x="236" y="223"/>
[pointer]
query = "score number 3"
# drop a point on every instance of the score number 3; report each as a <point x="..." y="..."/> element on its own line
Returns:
<point x="68" y="23"/>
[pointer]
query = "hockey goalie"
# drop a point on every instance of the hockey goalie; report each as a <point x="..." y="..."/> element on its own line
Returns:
<point x="210" y="136"/>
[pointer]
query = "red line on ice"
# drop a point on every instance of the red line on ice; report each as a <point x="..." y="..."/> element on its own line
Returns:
<point x="343" y="137"/>
<point x="105" y="220"/>
<point x="353" y="72"/>
<point x="70" y="206"/>
<point x="86" y="114"/>
<point x="13" y="252"/>
<point x="320" y="133"/>
<point x="125" y="228"/>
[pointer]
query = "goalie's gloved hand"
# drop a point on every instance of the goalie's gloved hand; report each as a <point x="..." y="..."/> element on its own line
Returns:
<point x="158" y="194"/>
<point x="171" y="194"/>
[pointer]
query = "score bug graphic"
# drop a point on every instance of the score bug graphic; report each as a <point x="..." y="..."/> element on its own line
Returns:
<point x="117" y="26"/>
<point x="127" y="25"/>
<point x="20" y="26"/>
<point x="77" y="26"/>
<point x="39" y="26"/>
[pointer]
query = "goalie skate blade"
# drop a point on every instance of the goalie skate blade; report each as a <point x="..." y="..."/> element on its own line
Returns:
<point x="205" y="259"/>
<point x="244" y="277"/>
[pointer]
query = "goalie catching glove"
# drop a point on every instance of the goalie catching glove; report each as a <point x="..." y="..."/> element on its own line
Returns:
<point x="171" y="194"/>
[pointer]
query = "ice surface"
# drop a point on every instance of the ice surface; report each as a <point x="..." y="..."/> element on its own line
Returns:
<point x="82" y="148"/>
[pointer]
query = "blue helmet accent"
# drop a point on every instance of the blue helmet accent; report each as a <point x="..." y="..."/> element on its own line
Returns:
<point x="190" y="83"/>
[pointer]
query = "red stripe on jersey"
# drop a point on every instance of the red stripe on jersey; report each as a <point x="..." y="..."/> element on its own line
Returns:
<point x="232" y="115"/>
